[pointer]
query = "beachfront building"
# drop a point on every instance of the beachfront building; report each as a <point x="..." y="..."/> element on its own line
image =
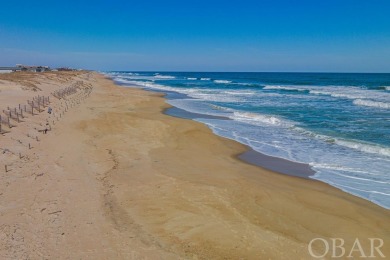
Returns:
<point x="8" y="69"/>
<point x="33" y="68"/>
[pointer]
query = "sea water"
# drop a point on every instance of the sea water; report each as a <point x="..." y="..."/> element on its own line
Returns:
<point x="337" y="123"/>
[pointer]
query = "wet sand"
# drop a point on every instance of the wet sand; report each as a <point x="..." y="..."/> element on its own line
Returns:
<point x="116" y="178"/>
<point x="251" y="156"/>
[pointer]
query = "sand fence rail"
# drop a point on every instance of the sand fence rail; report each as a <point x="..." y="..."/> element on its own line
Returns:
<point x="17" y="113"/>
<point x="68" y="97"/>
<point x="34" y="106"/>
<point x="63" y="93"/>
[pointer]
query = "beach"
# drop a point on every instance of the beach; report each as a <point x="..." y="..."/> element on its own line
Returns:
<point x="116" y="178"/>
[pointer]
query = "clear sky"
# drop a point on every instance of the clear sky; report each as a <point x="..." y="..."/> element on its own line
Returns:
<point x="198" y="35"/>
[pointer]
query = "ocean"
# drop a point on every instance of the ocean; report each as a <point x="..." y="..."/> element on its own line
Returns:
<point x="336" y="123"/>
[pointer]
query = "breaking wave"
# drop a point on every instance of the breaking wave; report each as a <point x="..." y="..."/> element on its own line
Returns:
<point x="370" y="103"/>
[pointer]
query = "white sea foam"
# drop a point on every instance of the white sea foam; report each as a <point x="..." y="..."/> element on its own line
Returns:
<point x="240" y="92"/>
<point x="131" y="83"/>
<point x="199" y="107"/>
<point x="132" y="76"/>
<point x="220" y="108"/>
<point x="244" y="84"/>
<point x="259" y="118"/>
<point x="361" y="179"/>
<point x="164" y="77"/>
<point x="344" y="92"/>
<point x="362" y="147"/>
<point x="222" y="81"/>
<point x="368" y="148"/>
<point x="216" y="97"/>
<point x="283" y="88"/>
<point x="352" y="93"/>
<point x="144" y="84"/>
<point x="338" y="94"/>
<point x="370" y="103"/>
<point x="192" y="78"/>
<point x="121" y="80"/>
<point x="128" y="74"/>
<point x="347" y="92"/>
<point x="311" y="134"/>
<point x="204" y="78"/>
<point x="338" y="167"/>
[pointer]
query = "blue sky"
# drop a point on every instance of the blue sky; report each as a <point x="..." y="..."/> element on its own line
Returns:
<point x="278" y="35"/>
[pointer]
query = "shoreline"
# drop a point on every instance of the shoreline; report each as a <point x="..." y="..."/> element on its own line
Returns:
<point x="116" y="178"/>
<point x="247" y="152"/>
<point x="251" y="156"/>
<point x="278" y="165"/>
<point x="340" y="161"/>
<point x="245" y="149"/>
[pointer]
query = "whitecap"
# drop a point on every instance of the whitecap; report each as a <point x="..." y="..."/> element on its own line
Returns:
<point x="240" y="92"/>
<point x="370" y="103"/>
<point x="271" y="87"/>
<point x="222" y="81"/>
<point x="164" y="77"/>
<point x="259" y="118"/>
<point x="363" y="147"/>
<point x="216" y="97"/>
<point x="337" y="95"/>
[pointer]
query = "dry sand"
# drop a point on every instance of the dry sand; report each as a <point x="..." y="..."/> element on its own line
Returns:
<point x="117" y="179"/>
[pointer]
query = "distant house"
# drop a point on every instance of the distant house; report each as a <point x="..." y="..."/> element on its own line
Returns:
<point x="21" y="67"/>
<point x="8" y="69"/>
<point x="33" y="68"/>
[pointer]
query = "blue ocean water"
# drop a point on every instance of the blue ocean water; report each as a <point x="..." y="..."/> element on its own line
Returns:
<point x="339" y="124"/>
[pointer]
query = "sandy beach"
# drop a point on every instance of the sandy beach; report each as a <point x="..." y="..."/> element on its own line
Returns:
<point x="115" y="178"/>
